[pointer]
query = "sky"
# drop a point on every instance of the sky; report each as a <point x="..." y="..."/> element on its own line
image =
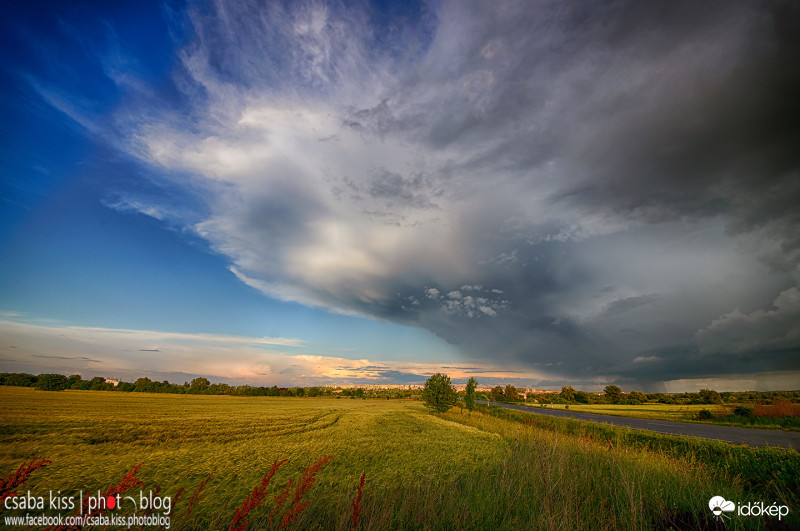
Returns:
<point x="540" y="193"/>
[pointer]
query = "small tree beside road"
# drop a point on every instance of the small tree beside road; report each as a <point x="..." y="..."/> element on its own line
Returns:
<point x="469" y="398"/>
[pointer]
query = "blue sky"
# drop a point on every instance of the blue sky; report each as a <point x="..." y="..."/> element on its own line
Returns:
<point x="303" y="193"/>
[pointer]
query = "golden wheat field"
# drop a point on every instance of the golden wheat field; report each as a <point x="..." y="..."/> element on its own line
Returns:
<point x="94" y="438"/>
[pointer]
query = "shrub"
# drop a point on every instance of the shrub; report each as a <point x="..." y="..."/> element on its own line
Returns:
<point x="705" y="414"/>
<point x="743" y="411"/>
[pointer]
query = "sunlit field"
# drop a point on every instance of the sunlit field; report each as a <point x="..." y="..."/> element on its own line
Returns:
<point x="452" y="470"/>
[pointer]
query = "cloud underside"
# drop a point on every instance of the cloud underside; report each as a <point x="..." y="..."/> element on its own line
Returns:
<point x="584" y="189"/>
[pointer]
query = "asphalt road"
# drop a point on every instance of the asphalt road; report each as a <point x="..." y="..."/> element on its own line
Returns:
<point x="752" y="437"/>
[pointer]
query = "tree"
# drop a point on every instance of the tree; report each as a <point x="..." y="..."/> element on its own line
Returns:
<point x="438" y="393"/>
<point x="143" y="385"/>
<point x="125" y="387"/>
<point x="568" y="393"/>
<point x="469" y="398"/>
<point x="19" y="379"/>
<point x="98" y="383"/>
<point x="512" y="395"/>
<point x="709" y="396"/>
<point x="51" y="382"/>
<point x="613" y="393"/>
<point x="637" y="396"/>
<point x="199" y="385"/>
<point x="498" y="395"/>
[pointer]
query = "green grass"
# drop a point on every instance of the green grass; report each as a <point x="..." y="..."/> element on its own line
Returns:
<point x="676" y="412"/>
<point x="773" y="472"/>
<point x="426" y="471"/>
<point x="723" y="414"/>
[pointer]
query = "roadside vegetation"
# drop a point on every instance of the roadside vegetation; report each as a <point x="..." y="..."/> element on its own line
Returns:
<point x="779" y="416"/>
<point x="765" y="410"/>
<point x="775" y="471"/>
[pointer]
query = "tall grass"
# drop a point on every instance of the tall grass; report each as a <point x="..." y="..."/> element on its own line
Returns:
<point x="762" y="471"/>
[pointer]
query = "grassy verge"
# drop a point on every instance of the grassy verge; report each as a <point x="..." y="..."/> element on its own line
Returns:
<point x="765" y="471"/>
<point x="722" y="414"/>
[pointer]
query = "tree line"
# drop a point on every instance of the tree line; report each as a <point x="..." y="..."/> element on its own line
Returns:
<point x="612" y="394"/>
<point x="198" y="386"/>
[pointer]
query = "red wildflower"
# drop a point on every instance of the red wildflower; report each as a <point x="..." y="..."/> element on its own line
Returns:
<point x="175" y="500"/>
<point x="254" y="499"/>
<point x="357" y="507"/>
<point x="18" y="478"/>
<point x="280" y="499"/>
<point x="197" y="494"/>
<point x="306" y="481"/>
<point x="127" y="483"/>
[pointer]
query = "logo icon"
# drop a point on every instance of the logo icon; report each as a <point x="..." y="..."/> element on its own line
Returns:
<point x="719" y="506"/>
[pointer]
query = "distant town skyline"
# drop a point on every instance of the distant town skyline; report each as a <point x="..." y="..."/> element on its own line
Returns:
<point x="296" y="194"/>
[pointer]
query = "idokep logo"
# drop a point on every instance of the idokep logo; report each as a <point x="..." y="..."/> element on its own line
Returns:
<point x="719" y="506"/>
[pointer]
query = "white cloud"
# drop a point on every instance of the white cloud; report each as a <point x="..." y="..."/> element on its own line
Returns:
<point x="432" y="293"/>
<point x="135" y="205"/>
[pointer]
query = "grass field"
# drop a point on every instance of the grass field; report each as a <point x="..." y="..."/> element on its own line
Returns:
<point x="451" y="470"/>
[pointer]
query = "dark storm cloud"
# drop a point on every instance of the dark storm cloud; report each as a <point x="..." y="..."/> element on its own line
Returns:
<point x="656" y="111"/>
<point x="651" y="114"/>
<point x="395" y="188"/>
<point x="623" y="305"/>
<point x="589" y="189"/>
